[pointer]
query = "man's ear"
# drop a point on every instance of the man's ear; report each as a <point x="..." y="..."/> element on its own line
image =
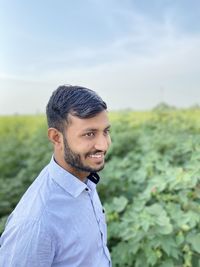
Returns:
<point x="55" y="137"/>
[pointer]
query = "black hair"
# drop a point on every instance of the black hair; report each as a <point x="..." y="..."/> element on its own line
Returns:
<point x="75" y="100"/>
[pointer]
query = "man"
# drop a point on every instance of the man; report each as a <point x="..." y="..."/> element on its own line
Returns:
<point x="60" y="221"/>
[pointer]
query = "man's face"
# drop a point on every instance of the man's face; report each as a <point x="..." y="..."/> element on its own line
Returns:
<point x="86" y="142"/>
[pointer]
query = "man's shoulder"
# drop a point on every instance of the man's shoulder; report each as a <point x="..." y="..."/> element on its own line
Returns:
<point x="32" y="204"/>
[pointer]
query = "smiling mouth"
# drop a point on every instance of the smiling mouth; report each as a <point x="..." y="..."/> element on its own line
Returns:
<point x="96" y="156"/>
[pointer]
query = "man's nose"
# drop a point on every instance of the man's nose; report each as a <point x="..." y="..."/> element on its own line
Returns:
<point x="102" y="143"/>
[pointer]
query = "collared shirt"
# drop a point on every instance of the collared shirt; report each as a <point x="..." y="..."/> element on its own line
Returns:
<point x="59" y="222"/>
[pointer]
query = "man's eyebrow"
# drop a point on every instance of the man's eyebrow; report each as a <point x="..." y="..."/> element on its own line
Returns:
<point x="108" y="127"/>
<point x="90" y="130"/>
<point x="95" y="129"/>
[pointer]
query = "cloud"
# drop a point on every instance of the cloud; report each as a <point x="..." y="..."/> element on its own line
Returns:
<point x="145" y="55"/>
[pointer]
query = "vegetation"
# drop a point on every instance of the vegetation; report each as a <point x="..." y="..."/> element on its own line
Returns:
<point x="150" y="187"/>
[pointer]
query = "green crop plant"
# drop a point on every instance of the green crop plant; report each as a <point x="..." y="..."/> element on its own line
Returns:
<point x="150" y="187"/>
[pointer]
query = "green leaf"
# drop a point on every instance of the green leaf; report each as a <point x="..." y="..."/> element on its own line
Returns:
<point x="168" y="244"/>
<point x="194" y="240"/>
<point x="167" y="263"/>
<point x="166" y="229"/>
<point x="180" y="238"/>
<point x="119" y="203"/>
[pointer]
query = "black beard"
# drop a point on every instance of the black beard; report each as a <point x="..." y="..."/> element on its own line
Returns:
<point x="74" y="159"/>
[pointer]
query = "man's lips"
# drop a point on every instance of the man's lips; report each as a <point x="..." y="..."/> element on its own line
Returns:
<point x="96" y="155"/>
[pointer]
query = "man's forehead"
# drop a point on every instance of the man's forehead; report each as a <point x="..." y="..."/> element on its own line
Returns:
<point x="100" y="119"/>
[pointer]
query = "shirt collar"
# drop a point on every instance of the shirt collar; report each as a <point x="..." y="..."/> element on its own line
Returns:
<point x="94" y="177"/>
<point x="69" y="182"/>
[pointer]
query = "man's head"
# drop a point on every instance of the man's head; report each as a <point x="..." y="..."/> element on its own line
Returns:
<point x="74" y="100"/>
<point x="79" y="129"/>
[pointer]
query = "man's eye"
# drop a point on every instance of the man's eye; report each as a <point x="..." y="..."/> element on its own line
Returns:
<point x="89" y="134"/>
<point x="107" y="131"/>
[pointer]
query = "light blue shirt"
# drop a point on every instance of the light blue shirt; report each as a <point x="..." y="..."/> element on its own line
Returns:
<point x="59" y="222"/>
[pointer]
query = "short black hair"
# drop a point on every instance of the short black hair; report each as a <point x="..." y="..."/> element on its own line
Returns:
<point x="75" y="100"/>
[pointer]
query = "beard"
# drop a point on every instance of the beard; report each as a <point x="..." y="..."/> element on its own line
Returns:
<point x="74" y="159"/>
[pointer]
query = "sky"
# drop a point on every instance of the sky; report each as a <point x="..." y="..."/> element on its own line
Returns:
<point x="133" y="53"/>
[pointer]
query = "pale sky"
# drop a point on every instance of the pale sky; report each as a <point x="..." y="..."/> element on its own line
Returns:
<point x="134" y="53"/>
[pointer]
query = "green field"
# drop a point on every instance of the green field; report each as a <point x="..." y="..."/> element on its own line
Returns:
<point x="150" y="187"/>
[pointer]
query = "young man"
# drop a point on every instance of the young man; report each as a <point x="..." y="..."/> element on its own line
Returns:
<point x="60" y="221"/>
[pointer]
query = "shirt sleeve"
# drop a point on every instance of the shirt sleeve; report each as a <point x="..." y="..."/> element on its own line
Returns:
<point x="26" y="244"/>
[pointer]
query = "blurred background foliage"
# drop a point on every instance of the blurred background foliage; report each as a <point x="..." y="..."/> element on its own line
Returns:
<point x="150" y="187"/>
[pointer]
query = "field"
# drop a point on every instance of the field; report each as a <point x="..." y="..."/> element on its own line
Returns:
<point x="150" y="187"/>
